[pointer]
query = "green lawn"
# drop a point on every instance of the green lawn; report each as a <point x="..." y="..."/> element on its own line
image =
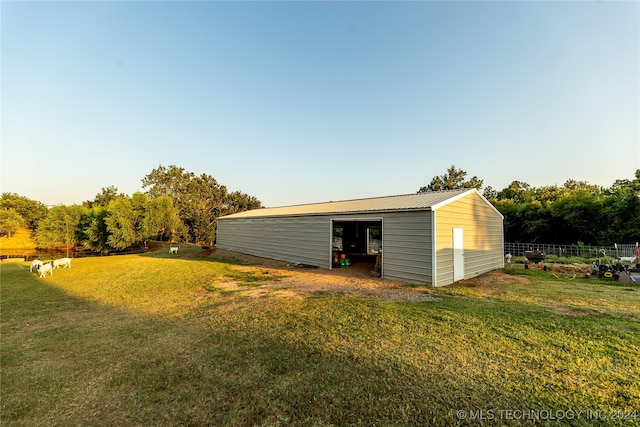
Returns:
<point x="152" y="340"/>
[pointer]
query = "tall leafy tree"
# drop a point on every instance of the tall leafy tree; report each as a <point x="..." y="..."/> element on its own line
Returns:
<point x="30" y="211"/>
<point x="61" y="227"/>
<point x="453" y="179"/>
<point x="240" y="202"/>
<point x="106" y="195"/>
<point x="200" y="199"/>
<point x="162" y="219"/>
<point x="489" y="193"/>
<point x="207" y="203"/>
<point x="621" y="211"/>
<point x="95" y="232"/>
<point x="517" y="191"/>
<point x="169" y="181"/>
<point x="125" y="222"/>
<point x="511" y="212"/>
<point x="130" y="221"/>
<point x="580" y="215"/>
<point x="10" y="222"/>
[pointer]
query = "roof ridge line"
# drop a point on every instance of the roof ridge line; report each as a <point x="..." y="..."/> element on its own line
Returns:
<point x="373" y="197"/>
<point x="413" y="201"/>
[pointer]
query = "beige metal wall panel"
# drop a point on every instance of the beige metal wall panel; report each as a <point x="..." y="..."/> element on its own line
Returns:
<point x="406" y="247"/>
<point x="304" y="240"/>
<point x="483" y="237"/>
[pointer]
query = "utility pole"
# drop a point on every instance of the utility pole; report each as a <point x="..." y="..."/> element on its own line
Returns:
<point x="66" y="222"/>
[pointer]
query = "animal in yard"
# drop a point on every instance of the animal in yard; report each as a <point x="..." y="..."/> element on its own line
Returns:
<point x="508" y="257"/>
<point x="62" y="262"/>
<point x="35" y="264"/>
<point x="45" y="268"/>
<point x="174" y="249"/>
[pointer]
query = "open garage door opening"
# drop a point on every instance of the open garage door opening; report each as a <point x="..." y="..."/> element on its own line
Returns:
<point x="357" y="244"/>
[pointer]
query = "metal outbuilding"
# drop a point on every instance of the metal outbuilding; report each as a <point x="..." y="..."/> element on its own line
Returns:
<point x="434" y="238"/>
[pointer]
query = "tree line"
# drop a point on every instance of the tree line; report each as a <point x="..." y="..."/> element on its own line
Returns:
<point x="176" y="206"/>
<point x="181" y="206"/>
<point x="575" y="212"/>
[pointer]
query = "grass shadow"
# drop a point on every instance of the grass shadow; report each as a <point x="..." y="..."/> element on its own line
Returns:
<point x="318" y="360"/>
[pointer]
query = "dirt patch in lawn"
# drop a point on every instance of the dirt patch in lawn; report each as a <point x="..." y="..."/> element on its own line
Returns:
<point x="355" y="280"/>
<point x="493" y="278"/>
<point x="573" y="311"/>
<point x="580" y="270"/>
<point x="200" y="254"/>
<point x="491" y="282"/>
<point x="291" y="279"/>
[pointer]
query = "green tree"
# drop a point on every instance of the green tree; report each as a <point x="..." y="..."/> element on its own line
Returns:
<point x="240" y="202"/>
<point x="171" y="181"/>
<point x="573" y="185"/>
<point x="31" y="211"/>
<point x="621" y="211"/>
<point x="61" y="227"/>
<point x="535" y="216"/>
<point x="95" y="231"/>
<point x="207" y="204"/>
<point x="580" y="215"/>
<point x="453" y="179"/>
<point x="105" y="196"/>
<point x="199" y="199"/>
<point x="575" y="211"/>
<point x="509" y="209"/>
<point x="125" y="222"/>
<point x="10" y="222"/>
<point x="517" y="191"/>
<point x="130" y="221"/>
<point x="490" y="194"/>
<point x="162" y="219"/>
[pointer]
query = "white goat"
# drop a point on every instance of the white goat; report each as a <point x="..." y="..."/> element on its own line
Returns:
<point x="45" y="268"/>
<point x="62" y="262"/>
<point x="36" y="263"/>
<point x="174" y="249"/>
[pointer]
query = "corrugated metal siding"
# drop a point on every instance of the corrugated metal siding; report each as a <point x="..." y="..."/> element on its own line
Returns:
<point x="406" y="246"/>
<point x="408" y="237"/>
<point x="304" y="240"/>
<point x="406" y="240"/>
<point x="483" y="237"/>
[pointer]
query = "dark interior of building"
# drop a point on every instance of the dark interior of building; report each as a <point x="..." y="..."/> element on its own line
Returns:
<point x="357" y="242"/>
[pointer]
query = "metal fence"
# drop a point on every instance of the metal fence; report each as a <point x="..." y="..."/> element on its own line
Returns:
<point x="582" y="251"/>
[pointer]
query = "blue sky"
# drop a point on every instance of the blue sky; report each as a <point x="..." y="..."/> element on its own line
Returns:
<point x="301" y="102"/>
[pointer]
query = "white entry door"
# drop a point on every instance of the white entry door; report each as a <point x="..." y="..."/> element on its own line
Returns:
<point x="458" y="254"/>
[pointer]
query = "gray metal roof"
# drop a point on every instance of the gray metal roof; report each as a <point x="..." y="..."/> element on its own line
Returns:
<point x="418" y="201"/>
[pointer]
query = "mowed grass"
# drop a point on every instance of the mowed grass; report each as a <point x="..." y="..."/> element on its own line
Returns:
<point x="155" y="340"/>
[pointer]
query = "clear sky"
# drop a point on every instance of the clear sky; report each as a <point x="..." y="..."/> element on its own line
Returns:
<point x="299" y="102"/>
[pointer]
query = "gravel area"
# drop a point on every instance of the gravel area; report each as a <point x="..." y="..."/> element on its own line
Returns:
<point x="355" y="280"/>
<point x="289" y="279"/>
